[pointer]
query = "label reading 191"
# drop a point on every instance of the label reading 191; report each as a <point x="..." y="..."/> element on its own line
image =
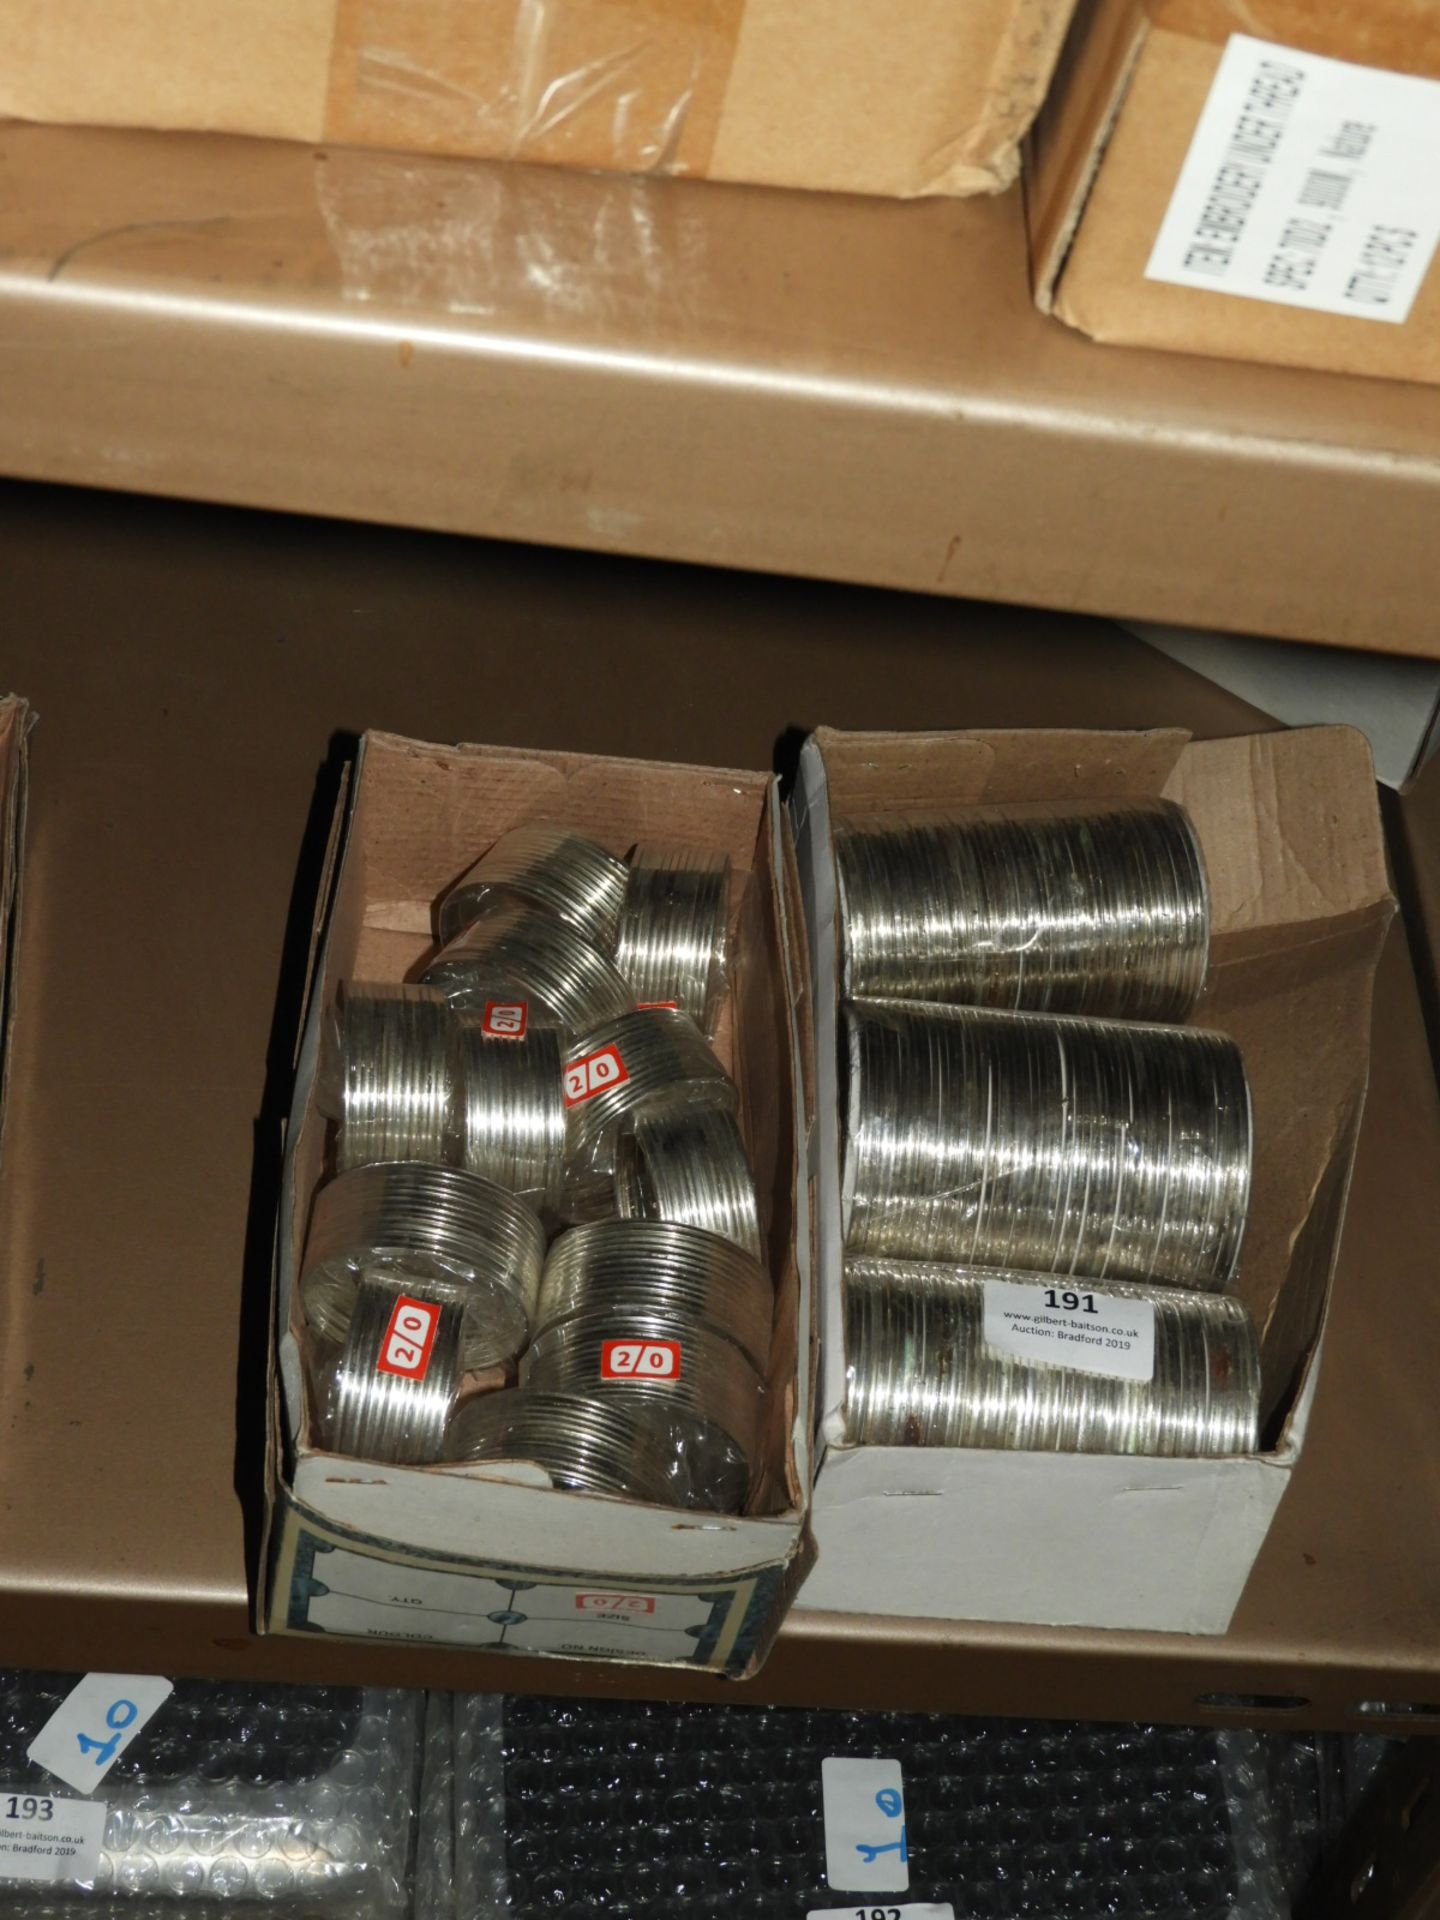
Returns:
<point x="1071" y="1326"/>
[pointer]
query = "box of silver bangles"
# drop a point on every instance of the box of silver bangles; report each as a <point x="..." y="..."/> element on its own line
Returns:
<point x="1092" y="1017"/>
<point x="541" y="1376"/>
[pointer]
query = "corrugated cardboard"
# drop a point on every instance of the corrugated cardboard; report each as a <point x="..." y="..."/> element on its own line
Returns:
<point x="1290" y="826"/>
<point x="1108" y="148"/>
<point x="16" y="721"/>
<point x="932" y="98"/>
<point x="498" y="1559"/>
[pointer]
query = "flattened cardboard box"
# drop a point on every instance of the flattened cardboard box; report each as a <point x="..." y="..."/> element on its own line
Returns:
<point x="1106" y="155"/>
<point x="16" y="721"/>
<point x="930" y="98"/>
<point x="1290" y="827"/>
<point x="498" y="1559"/>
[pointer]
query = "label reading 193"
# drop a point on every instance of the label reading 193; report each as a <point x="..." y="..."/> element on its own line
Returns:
<point x="48" y="1840"/>
<point x="28" y="1806"/>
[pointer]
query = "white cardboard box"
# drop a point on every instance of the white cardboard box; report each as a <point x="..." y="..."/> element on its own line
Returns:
<point x="496" y="1558"/>
<point x="1291" y="831"/>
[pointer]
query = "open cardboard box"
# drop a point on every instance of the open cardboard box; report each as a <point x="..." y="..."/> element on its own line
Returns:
<point x="1290" y="827"/>
<point x="495" y="1557"/>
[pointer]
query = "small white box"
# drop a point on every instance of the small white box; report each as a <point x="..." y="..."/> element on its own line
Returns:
<point x="1290" y="826"/>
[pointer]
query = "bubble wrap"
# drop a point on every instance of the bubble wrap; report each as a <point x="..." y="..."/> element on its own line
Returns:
<point x="679" y="1812"/>
<point x="237" y="1801"/>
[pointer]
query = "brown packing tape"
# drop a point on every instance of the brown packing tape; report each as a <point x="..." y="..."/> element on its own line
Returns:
<point x="629" y="84"/>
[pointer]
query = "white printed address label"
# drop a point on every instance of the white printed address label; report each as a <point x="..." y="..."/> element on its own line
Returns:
<point x="94" y="1724"/>
<point x="866" y="1847"/>
<point x="47" y="1839"/>
<point x="1311" y="182"/>
<point x="1070" y="1325"/>
<point x="912" y="1910"/>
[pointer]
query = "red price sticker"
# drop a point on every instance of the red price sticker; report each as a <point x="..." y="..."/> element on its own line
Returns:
<point x="409" y="1339"/>
<point x="640" y="1360"/>
<point x="614" y="1603"/>
<point x="594" y="1074"/>
<point x="505" y="1019"/>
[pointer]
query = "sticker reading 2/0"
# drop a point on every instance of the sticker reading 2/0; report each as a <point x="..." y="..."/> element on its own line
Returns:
<point x="1071" y="1325"/>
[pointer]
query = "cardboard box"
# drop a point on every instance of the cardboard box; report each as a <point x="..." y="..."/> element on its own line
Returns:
<point x="1290" y="827"/>
<point x="931" y="99"/>
<point x="16" y="721"/>
<point x="461" y="1556"/>
<point x="1108" y="150"/>
<point x="1393" y="700"/>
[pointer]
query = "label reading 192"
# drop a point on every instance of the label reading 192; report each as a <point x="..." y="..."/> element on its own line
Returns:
<point x="913" y="1910"/>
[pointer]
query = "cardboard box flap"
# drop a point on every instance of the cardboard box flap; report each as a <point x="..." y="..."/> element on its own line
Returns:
<point x="1280" y="854"/>
<point x="1400" y="34"/>
<point x="894" y="772"/>
<point x="1069" y="138"/>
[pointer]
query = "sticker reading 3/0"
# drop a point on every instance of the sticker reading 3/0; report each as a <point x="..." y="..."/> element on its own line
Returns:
<point x="49" y="1840"/>
<point x="1071" y="1325"/>
<point x="94" y="1724"/>
<point x="1311" y="182"/>
<point x="866" y="1846"/>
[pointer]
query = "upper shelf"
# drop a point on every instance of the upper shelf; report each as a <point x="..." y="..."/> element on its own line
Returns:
<point x="190" y="669"/>
<point x="848" y="389"/>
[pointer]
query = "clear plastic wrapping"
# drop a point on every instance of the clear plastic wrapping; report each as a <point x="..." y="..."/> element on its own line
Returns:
<point x="671" y="943"/>
<point x="513" y="952"/>
<point x="587" y="1442"/>
<point x="551" y="867"/>
<point x="692" y="1168"/>
<point x="660" y="1267"/>
<point x="391" y="1082"/>
<point x="512" y="1110"/>
<point x="239" y="1800"/>
<point x="919" y="1371"/>
<point x="571" y="1808"/>
<point x="638" y="1066"/>
<point x="674" y="1322"/>
<point x="1045" y="1144"/>
<point x="1096" y="909"/>
<point x="397" y="1379"/>
<point x="441" y="1233"/>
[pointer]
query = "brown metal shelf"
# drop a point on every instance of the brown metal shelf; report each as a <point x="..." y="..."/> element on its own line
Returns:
<point x="189" y="667"/>
<point x="807" y="384"/>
